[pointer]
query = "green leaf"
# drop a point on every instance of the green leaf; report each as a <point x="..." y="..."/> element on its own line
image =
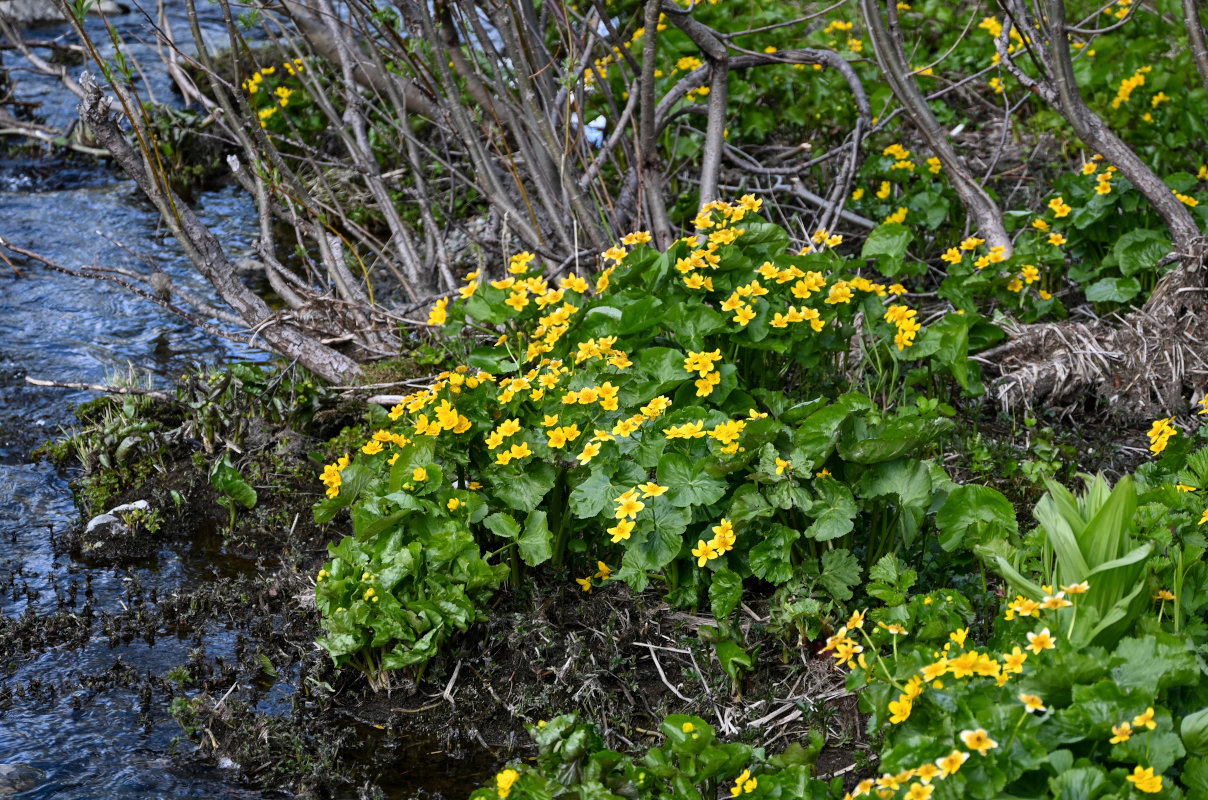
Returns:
<point x="524" y="489"/>
<point x="840" y="572"/>
<point x="833" y="512"/>
<point x="907" y="481"/>
<point x="1195" y="777"/>
<point x="1139" y="251"/>
<point x="771" y="559"/>
<point x="1194" y="731"/>
<point x="733" y="658"/>
<point x="692" y="322"/>
<point x="687" y="482"/>
<point x="226" y="480"/>
<point x="985" y="511"/>
<point x="891" y="439"/>
<point x="725" y="593"/>
<point x="537" y="543"/>
<point x="1080" y="783"/>
<point x="1152" y="665"/>
<point x="602" y="486"/>
<point x="1113" y="290"/>
<point x="748" y="504"/>
<point x="815" y="439"/>
<point x="502" y="525"/>
<point x="888" y="241"/>
<point x="890" y="580"/>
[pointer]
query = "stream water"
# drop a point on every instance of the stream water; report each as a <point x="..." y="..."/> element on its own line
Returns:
<point x="99" y="738"/>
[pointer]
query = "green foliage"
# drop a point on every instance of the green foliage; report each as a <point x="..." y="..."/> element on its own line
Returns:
<point x="393" y="594"/>
<point x="639" y="426"/>
<point x="231" y="486"/>
<point x="1088" y="539"/>
<point x="690" y="764"/>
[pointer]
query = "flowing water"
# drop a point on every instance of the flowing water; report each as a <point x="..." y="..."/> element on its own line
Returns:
<point x="100" y="739"/>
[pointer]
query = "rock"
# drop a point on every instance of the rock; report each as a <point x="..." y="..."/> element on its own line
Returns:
<point x="110" y="518"/>
<point x="107" y="535"/>
<point x="17" y="778"/>
<point x="33" y="12"/>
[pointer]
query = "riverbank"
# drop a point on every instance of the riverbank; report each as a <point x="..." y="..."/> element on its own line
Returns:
<point x="274" y="706"/>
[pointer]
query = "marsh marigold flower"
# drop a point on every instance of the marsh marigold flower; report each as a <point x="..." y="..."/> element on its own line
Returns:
<point x="1145" y="781"/>
<point x="978" y="740"/>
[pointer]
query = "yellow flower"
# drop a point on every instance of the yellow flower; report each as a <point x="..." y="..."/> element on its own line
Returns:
<point x="926" y="772"/>
<point x="1145" y="720"/>
<point x="1077" y="588"/>
<point x="439" y="314"/>
<point x="602" y="571"/>
<point x="933" y="164"/>
<point x="1204" y="517"/>
<point x="883" y="192"/>
<point x="1055" y="602"/>
<point x="687" y="727"/>
<point x="952" y="762"/>
<point x="899" y="710"/>
<point x="978" y="740"/>
<point x="1182" y="487"/>
<point x="453" y="504"/>
<point x="371" y="448"/>
<point x="419" y="475"/>
<point x="744" y="315"/>
<point x="859" y="193"/>
<point x="1039" y="224"/>
<point x="971" y="243"/>
<point x="782" y="465"/>
<point x="856" y="620"/>
<point x="590" y="451"/>
<point x="1056" y="239"/>
<point x="1145" y="780"/>
<point x="628" y="507"/>
<point x="704" y="552"/>
<point x="1032" y="702"/>
<point x="586" y="584"/>
<point x="621" y="531"/>
<point x="1041" y="641"/>
<point x="652" y="489"/>
<point x="897" y="217"/>
<point x="952" y="256"/>
<point x="1059" y="207"/>
<point x="1121" y="733"/>
<point x="919" y="791"/>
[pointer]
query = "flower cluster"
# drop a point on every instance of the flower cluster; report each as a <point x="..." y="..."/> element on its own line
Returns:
<point x="1129" y="84"/>
<point x="903" y="318"/>
<point x="280" y="95"/>
<point x="1160" y="433"/>
<point x="331" y="476"/>
<point x="721" y="543"/>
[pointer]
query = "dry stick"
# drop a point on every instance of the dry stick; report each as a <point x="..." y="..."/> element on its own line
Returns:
<point x="455" y="112"/>
<point x="981" y="209"/>
<point x="98" y="387"/>
<point x="662" y="675"/>
<point x="416" y="100"/>
<point x="557" y="154"/>
<point x="1195" y="35"/>
<point x="359" y="148"/>
<point x="205" y="251"/>
<point x="650" y="173"/>
<point x="718" y="57"/>
<point x="521" y="125"/>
